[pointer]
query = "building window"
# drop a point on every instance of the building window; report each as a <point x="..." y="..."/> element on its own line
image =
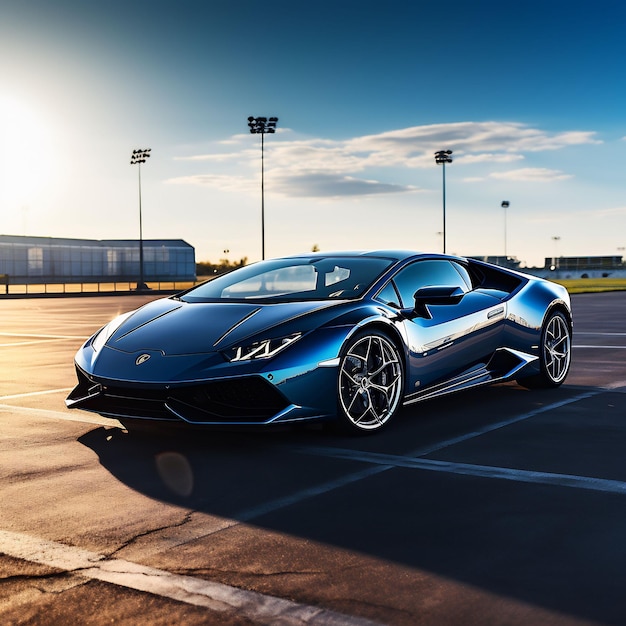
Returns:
<point x="113" y="263"/>
<point x="35" y="261"/>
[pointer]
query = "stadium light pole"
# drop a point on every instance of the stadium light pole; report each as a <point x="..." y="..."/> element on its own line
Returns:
<point x="441" y="158"/>
<point x="556" y="252"/>
<point x="262" y="126"/>
<point x="137" y="158"/>
<point x="505" y="205"/>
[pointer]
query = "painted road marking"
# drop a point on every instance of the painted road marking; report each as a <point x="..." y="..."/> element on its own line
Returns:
<point x="504" y="423"/>
<point x="375" y="468"/>
<point x="39" y="336"/>
<point x="35" y="393"/>
<point x="483" y="471"/>
<point x="602" y="334"/>
<point x="59" y="415"/>
<point x="36" y="339"/>
<point x="262" y="608"/>
<point x="17" y="344"/>
<point x="597" y="347"/>
<point x="601" y="347"/>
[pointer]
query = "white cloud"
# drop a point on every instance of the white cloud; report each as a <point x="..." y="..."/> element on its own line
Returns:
<point x="314" y="156"/>
<point x="333" y="168"/>
<point x="473" y="137"/>
<point x="210" y="157"/>
<point x="487" y="157"/>
<point x="324" y="184"/>
<point x="216" y="181"/>
<point x="531" y="174"/>
<point x="609" y="212"/>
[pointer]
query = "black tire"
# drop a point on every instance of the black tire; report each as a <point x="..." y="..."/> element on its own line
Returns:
<point x="370" y="382"/>
<point x="555" y="353"/>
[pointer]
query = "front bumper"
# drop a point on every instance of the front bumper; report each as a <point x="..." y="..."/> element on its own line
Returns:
<point x="244" y="400"/>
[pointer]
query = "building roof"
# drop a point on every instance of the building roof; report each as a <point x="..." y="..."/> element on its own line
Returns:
<point x="66" y="241"/>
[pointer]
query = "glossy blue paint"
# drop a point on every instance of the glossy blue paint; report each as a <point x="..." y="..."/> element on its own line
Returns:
<point x="186" y="359"/>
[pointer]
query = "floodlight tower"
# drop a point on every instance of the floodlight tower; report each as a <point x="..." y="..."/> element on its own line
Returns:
<point x="441" y="158"/>
<point x="262" y="126"/>
<point x="505" y="205"/>
<point x="556" y="252"/>
<point x="137" y="158"/>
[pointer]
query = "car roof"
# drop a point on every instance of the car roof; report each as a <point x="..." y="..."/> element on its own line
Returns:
<point x="398" y="255"/>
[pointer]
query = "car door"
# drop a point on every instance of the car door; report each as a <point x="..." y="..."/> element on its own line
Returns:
<point x="448" y="338"/>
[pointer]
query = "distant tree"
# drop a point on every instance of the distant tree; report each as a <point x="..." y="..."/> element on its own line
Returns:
<point x="206" y="268"/>
<point x="315" y="248"/>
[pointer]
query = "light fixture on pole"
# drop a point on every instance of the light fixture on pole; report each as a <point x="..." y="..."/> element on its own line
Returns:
<point x="137" y="158"/>
<point x="262" y="126"/>
<point x="556" y="252"/>
<point x="441" y="158"/>
<point x="505" y="205"/>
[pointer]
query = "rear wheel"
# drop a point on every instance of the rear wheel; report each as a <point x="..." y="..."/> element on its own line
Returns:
<point x="370" y="382"/>
<point x="555" y="352"/>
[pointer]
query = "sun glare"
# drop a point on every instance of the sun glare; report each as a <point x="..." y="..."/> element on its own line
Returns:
<point x="26" y="155"/>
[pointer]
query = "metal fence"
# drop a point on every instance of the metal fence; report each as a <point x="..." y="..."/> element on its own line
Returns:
<point x="89" y="288"/>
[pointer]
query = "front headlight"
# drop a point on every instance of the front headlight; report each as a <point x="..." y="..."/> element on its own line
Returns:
<point x="261" y="349"/>
<point x="102" y="336"/>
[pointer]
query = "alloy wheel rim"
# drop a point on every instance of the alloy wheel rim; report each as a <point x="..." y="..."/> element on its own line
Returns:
<point x="370" y="382"/>
<point x="557" y="349"/>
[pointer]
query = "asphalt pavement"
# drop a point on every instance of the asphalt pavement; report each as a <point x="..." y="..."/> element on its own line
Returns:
<point x="495" y="506"/>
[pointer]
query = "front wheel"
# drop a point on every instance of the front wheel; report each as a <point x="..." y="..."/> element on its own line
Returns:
<point x="555" y="352"/>
<point x="371" y="382"/>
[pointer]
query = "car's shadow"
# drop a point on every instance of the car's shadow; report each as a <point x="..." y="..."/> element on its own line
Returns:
<point x="560" y="548"/>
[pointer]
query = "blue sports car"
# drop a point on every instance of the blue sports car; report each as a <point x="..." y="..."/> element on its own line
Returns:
<point x="347" y="337"/>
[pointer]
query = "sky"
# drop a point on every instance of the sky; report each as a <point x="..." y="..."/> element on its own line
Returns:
<point x="529" y="96"/>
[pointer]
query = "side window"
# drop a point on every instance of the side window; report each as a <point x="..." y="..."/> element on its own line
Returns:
<point x="467" y="279"/>
<point x="388" y="295"/>
<point x="429" y="273"/>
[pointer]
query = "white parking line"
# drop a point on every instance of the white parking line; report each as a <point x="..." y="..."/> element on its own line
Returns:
<point x="595" y="346"/>
<point x="379" y="466"/>
<point x="39" y="336"/>
<point x="17" y="344"/>
<point x="34" y="340"/>
<point x="503" y="424"/>
<point x="602" y="334"/>
<point x="484" y="471"/>
<point x="262" y="608"/>
<point x="413" y="460"/>
<point x="600" y="347"/>
<point x="85" y="418"/>
<point x="618" y="385"/>
<point x="35" y="393"/>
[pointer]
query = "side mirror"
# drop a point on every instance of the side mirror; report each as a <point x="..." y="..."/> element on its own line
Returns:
<point x="436" y="295"/>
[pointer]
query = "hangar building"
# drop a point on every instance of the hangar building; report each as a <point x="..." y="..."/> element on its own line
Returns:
<point x="31" y="260"/>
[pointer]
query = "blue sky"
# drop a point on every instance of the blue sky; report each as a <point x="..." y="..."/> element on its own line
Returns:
<point x="529" y="96"/>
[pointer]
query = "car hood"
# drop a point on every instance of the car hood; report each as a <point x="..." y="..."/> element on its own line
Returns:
<point x="176" y="328"/>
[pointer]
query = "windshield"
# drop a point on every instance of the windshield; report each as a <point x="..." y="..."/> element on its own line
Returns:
<point x="287" y="280"/>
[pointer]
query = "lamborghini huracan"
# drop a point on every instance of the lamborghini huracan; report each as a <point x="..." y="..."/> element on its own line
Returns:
<point x="347" y="338"/>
